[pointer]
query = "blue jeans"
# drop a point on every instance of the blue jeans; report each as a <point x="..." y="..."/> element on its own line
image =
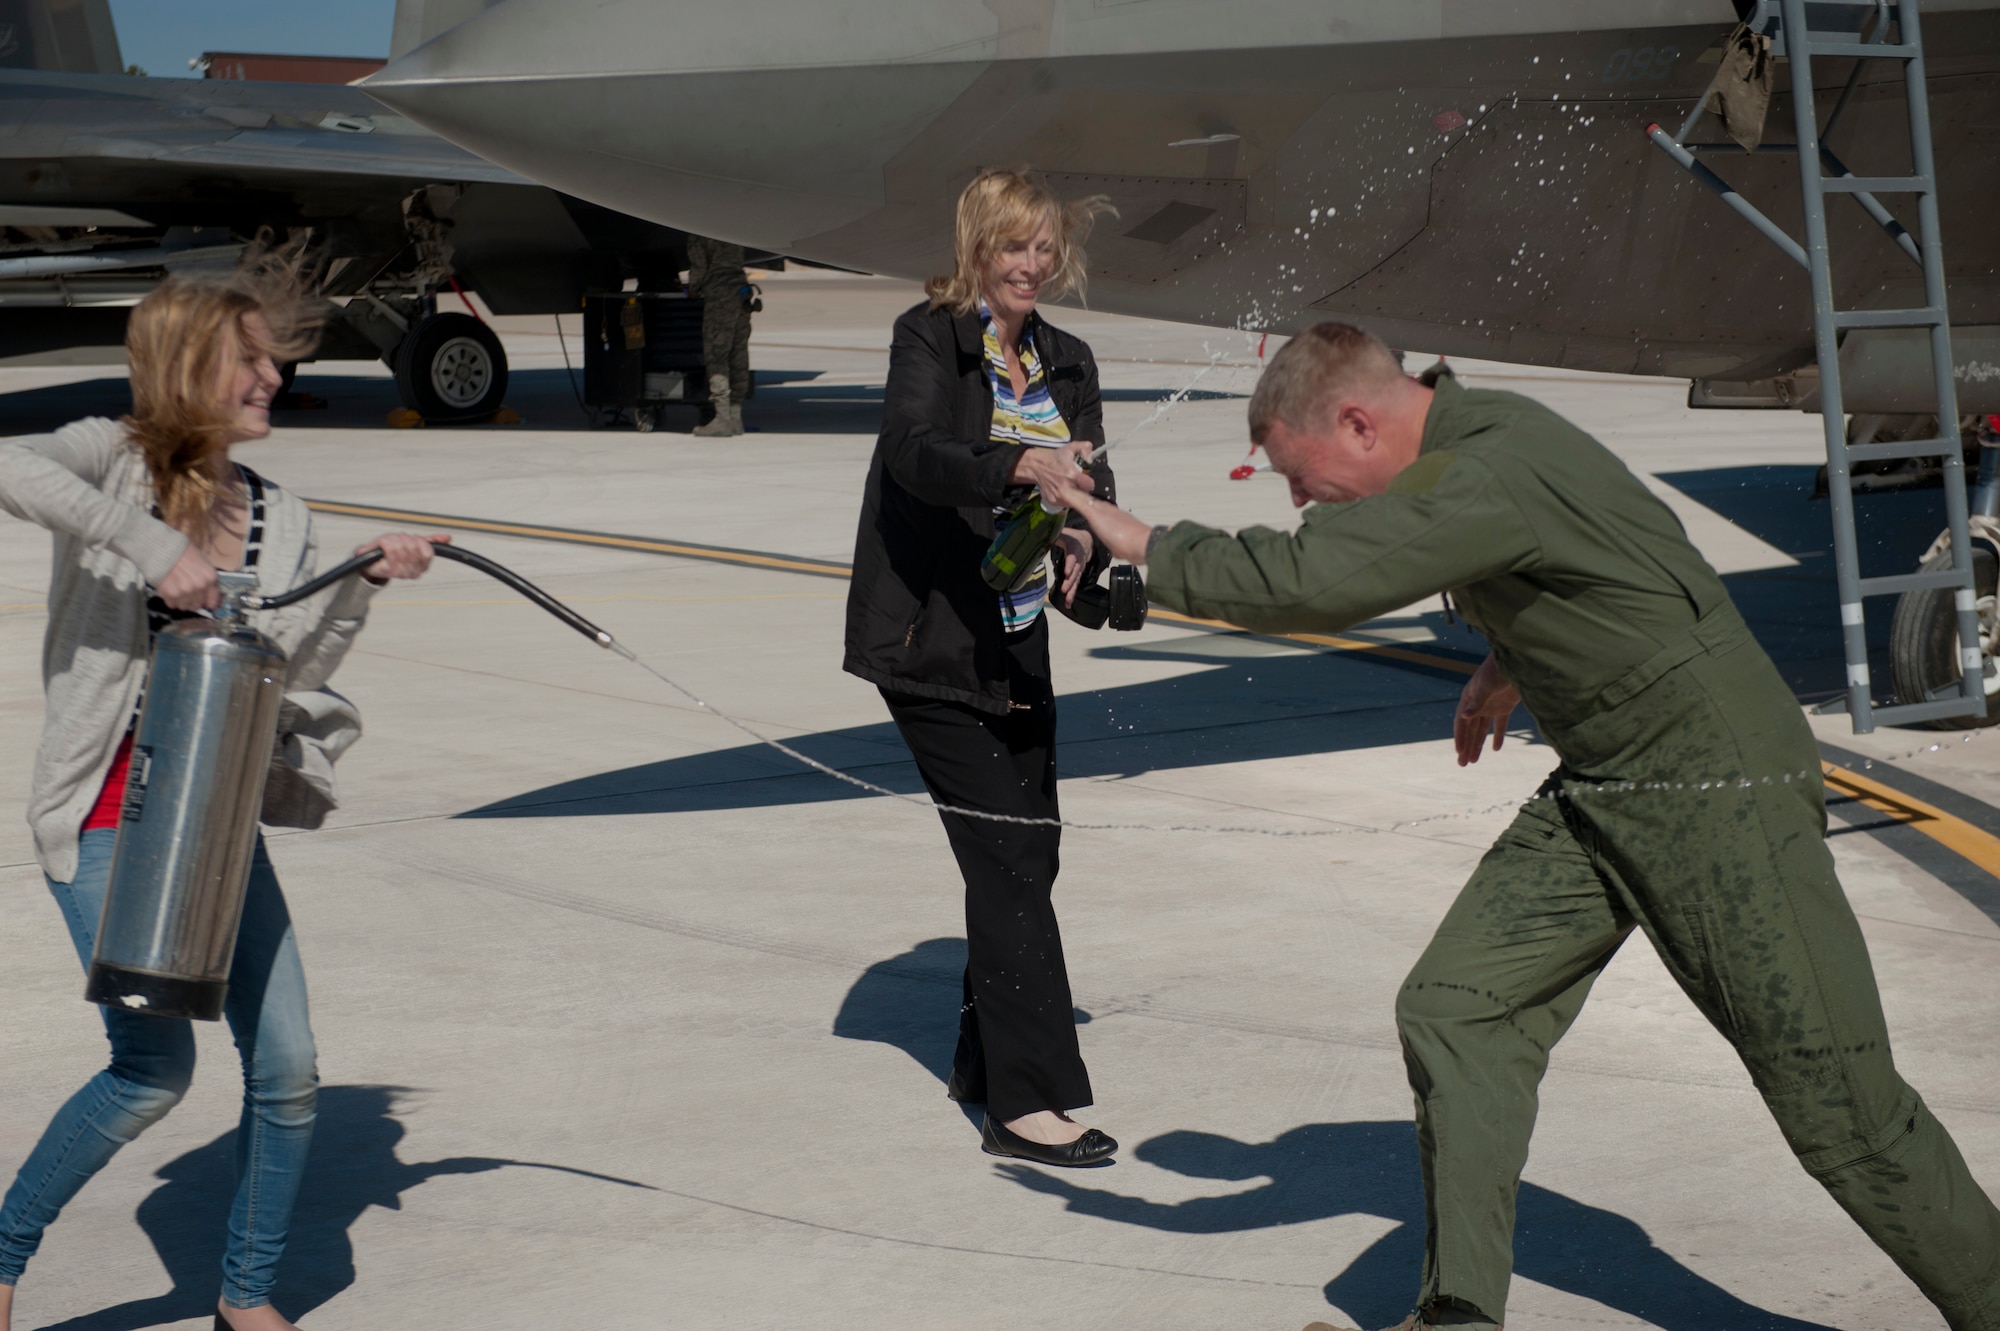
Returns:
<point x="152" y="1062"/>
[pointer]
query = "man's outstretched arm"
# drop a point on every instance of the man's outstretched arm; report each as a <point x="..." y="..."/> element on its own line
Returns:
<point x="1449" y="525"/>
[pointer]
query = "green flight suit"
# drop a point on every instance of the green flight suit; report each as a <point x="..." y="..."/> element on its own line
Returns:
<point x="1688" y="803"/>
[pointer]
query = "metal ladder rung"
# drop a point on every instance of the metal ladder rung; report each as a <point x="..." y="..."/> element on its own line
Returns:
<point x="1877" y="185"/>
<point x="1903" y="448"/>
<point x="1929" y="318"/>
<point x="1937" y="710"/>
<point x="1865" y="50"/>
<point x="1898" y="583"/>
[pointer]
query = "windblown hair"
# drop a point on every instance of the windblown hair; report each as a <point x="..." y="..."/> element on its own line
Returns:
<point x="184" y="341"/>
<point x="1001" y="205"/>
<point x="1314" y="372"/>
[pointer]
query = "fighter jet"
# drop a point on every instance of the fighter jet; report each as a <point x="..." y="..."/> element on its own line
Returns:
<point x="1463" y="176"/>
<point x="109" y="181"/>
<point x="1466" y="177"/>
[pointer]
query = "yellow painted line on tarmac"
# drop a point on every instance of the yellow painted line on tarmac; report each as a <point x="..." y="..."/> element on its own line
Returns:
<point x="1390" y="650"/>
<point x="1954" y="834"/>
<point x="571" y="536"/>
<point x="757" y="559"/>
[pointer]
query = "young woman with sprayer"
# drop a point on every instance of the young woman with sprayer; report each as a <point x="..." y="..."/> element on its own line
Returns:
<point x="986" y="401"/>
<point x="144" y="511"/>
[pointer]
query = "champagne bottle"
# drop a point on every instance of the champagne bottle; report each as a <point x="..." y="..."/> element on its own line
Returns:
<point x="1024" y="537"/>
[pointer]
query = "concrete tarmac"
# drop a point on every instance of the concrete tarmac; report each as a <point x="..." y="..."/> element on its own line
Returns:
<point x="626" y="1021"/>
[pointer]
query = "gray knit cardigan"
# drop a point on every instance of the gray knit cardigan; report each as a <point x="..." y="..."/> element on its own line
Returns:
<point x="88" y="485"/>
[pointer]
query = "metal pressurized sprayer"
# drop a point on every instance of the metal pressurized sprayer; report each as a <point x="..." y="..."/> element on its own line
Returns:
<point x="188" y="825"/>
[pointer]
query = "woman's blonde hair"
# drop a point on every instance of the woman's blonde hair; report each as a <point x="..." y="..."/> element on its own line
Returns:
<point x="183" y="341"/>
<point x="1001" y="205"/>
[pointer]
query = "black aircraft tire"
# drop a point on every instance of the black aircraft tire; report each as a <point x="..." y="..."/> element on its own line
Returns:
<point x="1923" y="638"/>
<point x="451" y="367"/>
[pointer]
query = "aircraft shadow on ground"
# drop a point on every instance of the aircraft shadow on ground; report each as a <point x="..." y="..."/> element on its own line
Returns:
<point x="548" y="399"/>
<point x="786" y="402"/>
<point x="353" y="1166"/>
<point x="1294" y="705"/>
<point x="857" y="408"/>
<point x="1317" y="1172"/>
<point x="1241" y="708"/>
<point x="1795" y="612"/>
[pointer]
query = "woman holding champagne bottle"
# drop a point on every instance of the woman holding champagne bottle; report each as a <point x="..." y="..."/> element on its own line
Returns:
<point x="985" y="402"/>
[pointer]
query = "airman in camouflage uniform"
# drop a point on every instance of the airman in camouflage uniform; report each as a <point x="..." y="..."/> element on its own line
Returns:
<point x="715" y="273"/>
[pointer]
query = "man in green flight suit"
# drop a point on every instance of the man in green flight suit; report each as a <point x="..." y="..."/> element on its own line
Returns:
<point x="1688" y="802"/>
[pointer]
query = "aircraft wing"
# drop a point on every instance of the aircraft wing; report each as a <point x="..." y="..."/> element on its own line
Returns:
<point x="314" y="129"/>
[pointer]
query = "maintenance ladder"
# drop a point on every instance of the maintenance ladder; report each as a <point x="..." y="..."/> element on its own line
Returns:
<point x="1859" y="30"/>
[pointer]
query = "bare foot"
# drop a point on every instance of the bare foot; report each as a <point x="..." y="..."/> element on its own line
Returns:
<point x="1050" y="1127"/>
<point x="265" y="1318"/>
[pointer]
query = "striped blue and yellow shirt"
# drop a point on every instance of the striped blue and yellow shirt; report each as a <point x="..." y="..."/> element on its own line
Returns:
<point x="1033" y="419"/>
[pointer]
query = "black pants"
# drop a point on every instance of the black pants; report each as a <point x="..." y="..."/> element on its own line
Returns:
<point x="1017" y="1028"/>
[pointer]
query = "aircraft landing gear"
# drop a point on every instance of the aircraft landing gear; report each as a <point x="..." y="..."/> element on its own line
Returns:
<point x="451" y="367"/>
<point x="1923" y="639"/>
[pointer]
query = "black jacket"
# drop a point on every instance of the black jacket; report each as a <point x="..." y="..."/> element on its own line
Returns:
<point x="919" y="618"/>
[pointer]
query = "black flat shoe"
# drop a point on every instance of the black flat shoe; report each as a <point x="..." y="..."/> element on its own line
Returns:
<point x="965" y="1089"/>
<point x="1093" y="1147"/>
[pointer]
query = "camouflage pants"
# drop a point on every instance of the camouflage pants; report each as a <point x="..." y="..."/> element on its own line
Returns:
<point x="725" y="340"/>
<point x="1735" y="889"/>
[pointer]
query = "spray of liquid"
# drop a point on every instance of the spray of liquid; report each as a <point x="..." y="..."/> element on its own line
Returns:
<point x="1166" y="405"/>
<point x="1575" y="791"/>
<point x="1586" y="791"/>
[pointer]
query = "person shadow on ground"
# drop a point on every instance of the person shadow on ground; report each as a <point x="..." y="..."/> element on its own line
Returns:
<point x="1316" y="1172"/>
<point x="911" y="1002"/>
<point x="1322" y="1170"/>
<point x="353" y="1166"/>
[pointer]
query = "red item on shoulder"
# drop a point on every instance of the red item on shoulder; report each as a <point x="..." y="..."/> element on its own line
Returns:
<point x="104" y="813"/>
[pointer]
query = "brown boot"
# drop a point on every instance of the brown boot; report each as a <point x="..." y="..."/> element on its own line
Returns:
<point x="728" y="421"/>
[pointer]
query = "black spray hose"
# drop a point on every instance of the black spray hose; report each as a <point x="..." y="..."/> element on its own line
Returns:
<point x="452" y="552"/>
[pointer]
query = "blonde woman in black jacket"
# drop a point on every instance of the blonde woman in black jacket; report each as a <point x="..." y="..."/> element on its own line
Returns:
<point x="984" y="401"/>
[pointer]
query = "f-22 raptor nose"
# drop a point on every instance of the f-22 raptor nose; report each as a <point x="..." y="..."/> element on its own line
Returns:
<point x="760" y="121"/>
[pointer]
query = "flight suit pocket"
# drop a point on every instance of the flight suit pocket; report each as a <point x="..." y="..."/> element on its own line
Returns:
<point x="1704" y="933"/>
